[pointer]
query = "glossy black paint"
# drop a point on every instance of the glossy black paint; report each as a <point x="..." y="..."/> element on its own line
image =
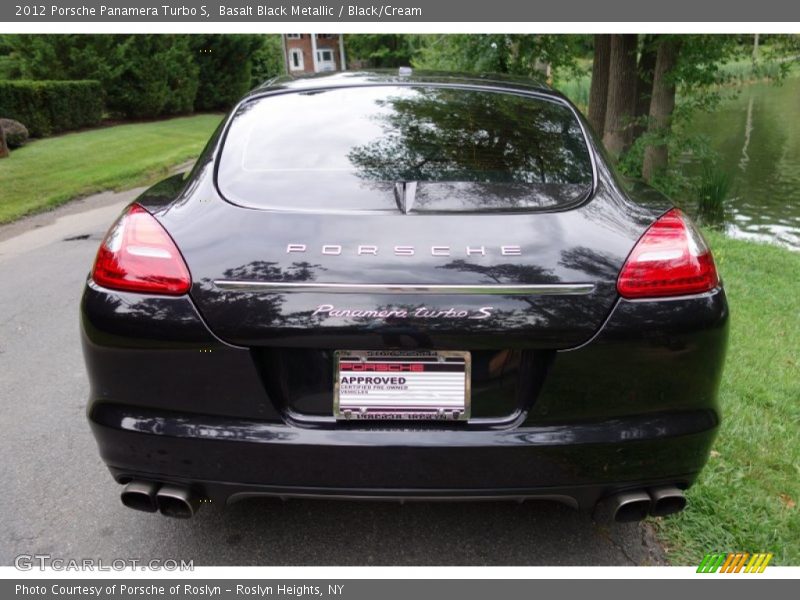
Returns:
<point x="586" y="244"/>
<point x="575" y="396"/>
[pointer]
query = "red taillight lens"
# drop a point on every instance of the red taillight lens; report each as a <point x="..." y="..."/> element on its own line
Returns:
<point x="671" y="259"/>
<point x="137" y="255"/>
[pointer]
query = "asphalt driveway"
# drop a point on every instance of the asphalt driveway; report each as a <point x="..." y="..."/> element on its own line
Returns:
<point x="58" y="498"/>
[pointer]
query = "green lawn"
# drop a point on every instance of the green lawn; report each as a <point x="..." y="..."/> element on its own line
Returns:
<point x="51" y="171"/>
<point x="747" y="497"/>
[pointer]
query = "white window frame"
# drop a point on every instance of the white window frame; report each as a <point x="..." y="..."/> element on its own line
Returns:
<point x="294" y="36"/>
<point x="296" y="53"/>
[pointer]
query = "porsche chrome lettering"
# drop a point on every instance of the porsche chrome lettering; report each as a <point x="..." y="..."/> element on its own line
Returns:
<point x="436" y="250"/>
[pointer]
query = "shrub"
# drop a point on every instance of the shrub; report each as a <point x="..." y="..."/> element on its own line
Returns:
<point x="16" y="132"/>
<point x="143" y="76"/>
<point x="182" y="78"/>
<point x="267" y="61"/>
<point x="48" y="107"/>
<point x="156" y="76"/>
<point x="381" y="50"/>
<point x="225" y="63"/>
<point x="7" y="68"/>
<point x="714" y="188"/>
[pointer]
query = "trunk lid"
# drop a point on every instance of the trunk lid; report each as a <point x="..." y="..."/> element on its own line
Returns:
<point x="388" y="279"/>
<point x="405" y="216"/>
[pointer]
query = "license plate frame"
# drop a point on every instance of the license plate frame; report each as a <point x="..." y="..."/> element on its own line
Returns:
<point x="433" y="391"/>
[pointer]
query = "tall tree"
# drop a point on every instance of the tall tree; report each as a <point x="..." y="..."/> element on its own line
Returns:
<point x="3" y="145"/>
<point x="644" y="83"/>
<point x="598" y="92"/>
<point x="621" y="104"/>
<point x="662" y="104"/>
<point x="517" y="54"/>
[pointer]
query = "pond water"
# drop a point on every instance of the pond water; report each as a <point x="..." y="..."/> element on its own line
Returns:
<point x="757" y="135"/>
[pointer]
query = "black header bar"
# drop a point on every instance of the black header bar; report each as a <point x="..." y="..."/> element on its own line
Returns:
<point x="399" y="11"/>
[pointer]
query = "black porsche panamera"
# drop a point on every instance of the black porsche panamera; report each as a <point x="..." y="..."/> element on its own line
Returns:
<point x="404" y="286"/>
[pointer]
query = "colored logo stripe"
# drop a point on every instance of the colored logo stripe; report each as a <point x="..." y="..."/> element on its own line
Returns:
<point x="711" y="562"/>
<point x="734" y="562"/>
<point x="758" y="563"/>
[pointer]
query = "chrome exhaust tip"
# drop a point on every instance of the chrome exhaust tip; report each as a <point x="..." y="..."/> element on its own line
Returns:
<point x="667" y="500"/>
<point x="177" y="501"/>
<point x="140" y="495"/>
<point x="624" y="507"/>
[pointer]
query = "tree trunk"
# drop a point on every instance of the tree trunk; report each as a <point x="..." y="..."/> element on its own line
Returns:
<point x="598" y="92"/>
<point x="3" y="146"/>
<point x="621" y="105"/>
<point x="644" y="83"/>
<point x="662" y="105"/>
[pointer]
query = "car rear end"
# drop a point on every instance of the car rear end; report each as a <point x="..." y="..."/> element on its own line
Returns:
<point x="406" y="289"/>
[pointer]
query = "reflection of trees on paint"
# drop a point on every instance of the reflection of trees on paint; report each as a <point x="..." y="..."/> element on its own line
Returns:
<point x="254" y="310"/>
<point x="548" y="315"/>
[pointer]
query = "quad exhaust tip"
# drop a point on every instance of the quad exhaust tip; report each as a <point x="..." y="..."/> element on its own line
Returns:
<point x="168" y="499"/>
<point x="629" y="507"/>
<point x="177" y="501"/>
<point x="140" y="495"/>
<point x="667" y="500"/>
<point x="635" y="505"/>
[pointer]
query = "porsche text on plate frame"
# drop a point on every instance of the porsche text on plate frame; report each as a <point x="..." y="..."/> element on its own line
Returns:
<point x="397" y="385"/>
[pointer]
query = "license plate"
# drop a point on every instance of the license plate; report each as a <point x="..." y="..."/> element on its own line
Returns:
<point x="401" y="385"/>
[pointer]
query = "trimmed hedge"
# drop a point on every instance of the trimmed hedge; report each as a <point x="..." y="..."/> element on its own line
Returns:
<point x="47" y="107"/>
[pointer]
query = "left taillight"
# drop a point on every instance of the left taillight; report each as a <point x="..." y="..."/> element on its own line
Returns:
<point x="670" y="259"/>
<point x="138" y="255"/>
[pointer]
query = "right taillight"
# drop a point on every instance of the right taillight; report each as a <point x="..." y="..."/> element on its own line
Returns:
<point x="670" y="259"/>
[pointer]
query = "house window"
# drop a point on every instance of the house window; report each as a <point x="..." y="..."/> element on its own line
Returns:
<point x="296" y="59"/>
<point x="294" y="36"/>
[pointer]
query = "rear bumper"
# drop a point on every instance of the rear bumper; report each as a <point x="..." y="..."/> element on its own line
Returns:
<point x="633" y="407"/>
<point x="225" y="459"/>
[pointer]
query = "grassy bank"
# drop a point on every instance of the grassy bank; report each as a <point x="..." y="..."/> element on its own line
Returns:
<point x="50" y="171"/>
<point x="746" y="499"/>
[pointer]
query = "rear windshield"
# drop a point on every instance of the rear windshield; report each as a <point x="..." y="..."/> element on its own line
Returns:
<point x="349" y="148"/>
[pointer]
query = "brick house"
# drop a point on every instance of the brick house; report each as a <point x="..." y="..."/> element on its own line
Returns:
<point x="313" y="53"/>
